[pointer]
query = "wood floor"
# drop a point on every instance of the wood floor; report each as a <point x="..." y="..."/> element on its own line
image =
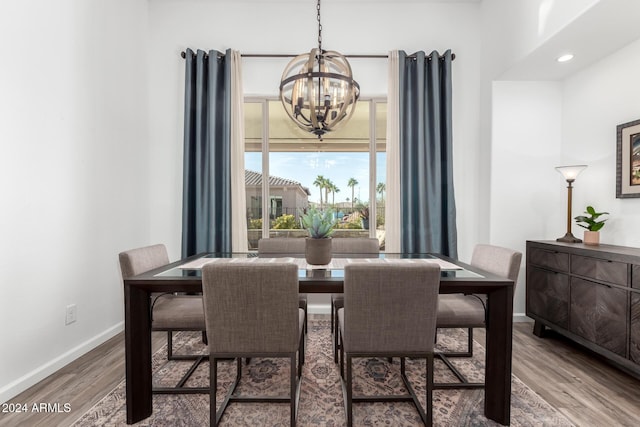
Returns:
<point x="584" y="388"/>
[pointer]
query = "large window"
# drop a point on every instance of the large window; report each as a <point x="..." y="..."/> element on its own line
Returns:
<point x="289" y="170"/>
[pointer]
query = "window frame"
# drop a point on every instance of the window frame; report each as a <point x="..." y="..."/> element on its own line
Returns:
<point x="373" y="101"/>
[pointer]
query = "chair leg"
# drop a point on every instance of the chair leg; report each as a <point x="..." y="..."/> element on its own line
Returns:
<point x="341" y="348"/>
<point x="429" y="390"/>
<point x="293" y="387"/>
<point x="349" y="398"/>
<point x="336" y="344"/>
<point x="463" y="382"/>
<point x="213" y="379"/>
<point x="169" y="345"/>
<point x="468" y="352"/>
<point x="332" y="314"/>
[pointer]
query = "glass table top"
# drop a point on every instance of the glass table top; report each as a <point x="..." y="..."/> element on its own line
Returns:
<point x="333" y="270"/>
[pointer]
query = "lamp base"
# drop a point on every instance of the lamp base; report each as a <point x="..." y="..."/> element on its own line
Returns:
<point x="568" y="238"/>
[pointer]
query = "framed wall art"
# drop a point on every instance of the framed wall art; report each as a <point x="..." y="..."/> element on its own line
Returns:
<point x="628" y="160"/>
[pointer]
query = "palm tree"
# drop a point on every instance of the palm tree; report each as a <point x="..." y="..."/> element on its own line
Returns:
<point x="334" y="190"/>
<point x="380" y="188"/>
<point x="327" y="188"/>
<point x="320" y="183"/>
<point x="352" y="183"/>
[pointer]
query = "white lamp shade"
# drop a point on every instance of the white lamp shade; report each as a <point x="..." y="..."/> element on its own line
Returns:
<point x="571" y="172"/>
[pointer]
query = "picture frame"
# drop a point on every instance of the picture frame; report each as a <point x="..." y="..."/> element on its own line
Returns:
<point x="628" y="160"/>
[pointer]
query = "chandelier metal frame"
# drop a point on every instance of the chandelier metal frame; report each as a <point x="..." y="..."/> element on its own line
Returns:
<point x="317" y="89"/>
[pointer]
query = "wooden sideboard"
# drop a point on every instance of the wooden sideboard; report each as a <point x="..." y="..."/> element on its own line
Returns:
<point x="590" y="294"/>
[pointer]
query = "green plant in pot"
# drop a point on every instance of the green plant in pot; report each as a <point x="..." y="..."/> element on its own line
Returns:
<point x="320" y="225"/>
<point x="591" y="224"/>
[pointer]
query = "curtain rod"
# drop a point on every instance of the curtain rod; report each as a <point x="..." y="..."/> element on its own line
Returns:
<point x="287" y="55"/>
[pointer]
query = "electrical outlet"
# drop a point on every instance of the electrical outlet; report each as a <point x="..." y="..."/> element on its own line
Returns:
<point x="72" y="314"/>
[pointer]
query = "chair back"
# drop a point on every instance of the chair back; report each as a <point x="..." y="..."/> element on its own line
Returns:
<point x="251" y="307"/>
<point x="390" y="307"/>
<point x="137" y="261"/>
<point x="356" y="245"/>
<point x="281" y="245"/>
<point x="500" y="261"/>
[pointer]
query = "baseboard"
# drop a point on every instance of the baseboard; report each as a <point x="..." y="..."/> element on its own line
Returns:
<point x="23" y="383"/>
<point x="521" y="317"/>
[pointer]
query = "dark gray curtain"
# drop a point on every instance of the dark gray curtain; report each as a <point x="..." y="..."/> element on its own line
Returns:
<point x="428" y="211"/>
<point x="206" y="199"/>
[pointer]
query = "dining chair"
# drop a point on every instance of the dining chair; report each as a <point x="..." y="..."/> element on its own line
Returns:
<point x="169" y="312"/>
<point x="251" y="310"/>
<point x="279" y="246"/>
<point x="361" y="247"/>
<point x="469" y="311"/>
<point x="389" y="311"/>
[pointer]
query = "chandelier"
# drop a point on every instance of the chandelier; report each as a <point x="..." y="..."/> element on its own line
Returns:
<point x="317" y="89"/>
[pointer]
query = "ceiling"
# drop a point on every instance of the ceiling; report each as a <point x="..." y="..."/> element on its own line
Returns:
<point x="603" y="29"/>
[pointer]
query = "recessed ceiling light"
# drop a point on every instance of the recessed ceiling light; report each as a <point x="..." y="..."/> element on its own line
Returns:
<point x="565" y="58"/>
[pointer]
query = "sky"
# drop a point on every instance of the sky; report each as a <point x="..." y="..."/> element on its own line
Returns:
<point x="336" y="166"/>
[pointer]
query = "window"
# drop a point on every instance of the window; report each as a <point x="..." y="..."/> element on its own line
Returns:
<point x="345" y="171"/>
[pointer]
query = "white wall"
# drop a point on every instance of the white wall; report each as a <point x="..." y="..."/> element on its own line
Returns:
<point x="73" y="176"/>
<point x="528" y="197"/>
<point x="290" y="27"/>
<point x="595" y="101"/>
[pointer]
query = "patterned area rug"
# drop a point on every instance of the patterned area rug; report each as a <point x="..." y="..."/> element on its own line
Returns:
<point x="321" y="402"/>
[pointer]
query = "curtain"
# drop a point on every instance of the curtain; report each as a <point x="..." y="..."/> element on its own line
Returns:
<point x="428" y="212"/>
<point x="206" y="198"/>
<point x="392" y="205"/>
<point x="239" y="238"/>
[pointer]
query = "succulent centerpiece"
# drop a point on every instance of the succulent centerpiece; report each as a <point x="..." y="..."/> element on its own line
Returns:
<point x="320" y="225"/>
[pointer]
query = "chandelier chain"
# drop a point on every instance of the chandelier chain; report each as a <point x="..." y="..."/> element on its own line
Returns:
<point x="319" y="28"/>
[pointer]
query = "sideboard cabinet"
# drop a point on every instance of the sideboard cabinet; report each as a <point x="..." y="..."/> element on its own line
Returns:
<point x="590" y="294"/>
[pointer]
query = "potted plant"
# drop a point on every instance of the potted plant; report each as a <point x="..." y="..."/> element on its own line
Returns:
<point x="592" y="225"/>
<point x="320" y="225"/>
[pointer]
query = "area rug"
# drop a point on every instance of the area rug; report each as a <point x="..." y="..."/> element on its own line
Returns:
<point x="321" y="401"/>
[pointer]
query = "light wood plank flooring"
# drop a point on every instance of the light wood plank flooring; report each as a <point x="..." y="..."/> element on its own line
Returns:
<point x="588" y="391"/>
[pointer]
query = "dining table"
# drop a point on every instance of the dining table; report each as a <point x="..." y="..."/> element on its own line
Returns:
<point x="185" y="276"/>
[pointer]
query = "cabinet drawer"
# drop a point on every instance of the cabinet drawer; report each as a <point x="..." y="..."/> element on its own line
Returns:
<point x="635" y="277"/>
<point x="600" y="269"/>
<point x="599" y="314"/>
<point x="548" y="296"/>
<point x="634" y="328"/>
<point x="553" y="260"/>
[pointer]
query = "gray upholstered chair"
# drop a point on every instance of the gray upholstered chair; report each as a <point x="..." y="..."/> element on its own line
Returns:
<point x="251" y="310"/>
<point x="389" y="311"/>
<point x="169" y="312"/>
<point x="356" y="246"/>
<point x="279" y="246"/>
<point x="469" y="311"/>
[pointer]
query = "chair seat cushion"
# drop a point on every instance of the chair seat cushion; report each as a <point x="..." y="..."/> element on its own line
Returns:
<point x="457" y="310"/>
<point x="178" y="312"/>
<point x="340" y="314"/>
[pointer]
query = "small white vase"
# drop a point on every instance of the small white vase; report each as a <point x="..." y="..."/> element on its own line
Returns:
<point x="591" y="237"/>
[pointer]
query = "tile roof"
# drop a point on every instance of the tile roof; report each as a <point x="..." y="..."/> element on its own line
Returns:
<point x="254" y="179"/>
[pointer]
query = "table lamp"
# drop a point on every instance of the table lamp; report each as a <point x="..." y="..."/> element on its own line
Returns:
<point x="570" y="173"/>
